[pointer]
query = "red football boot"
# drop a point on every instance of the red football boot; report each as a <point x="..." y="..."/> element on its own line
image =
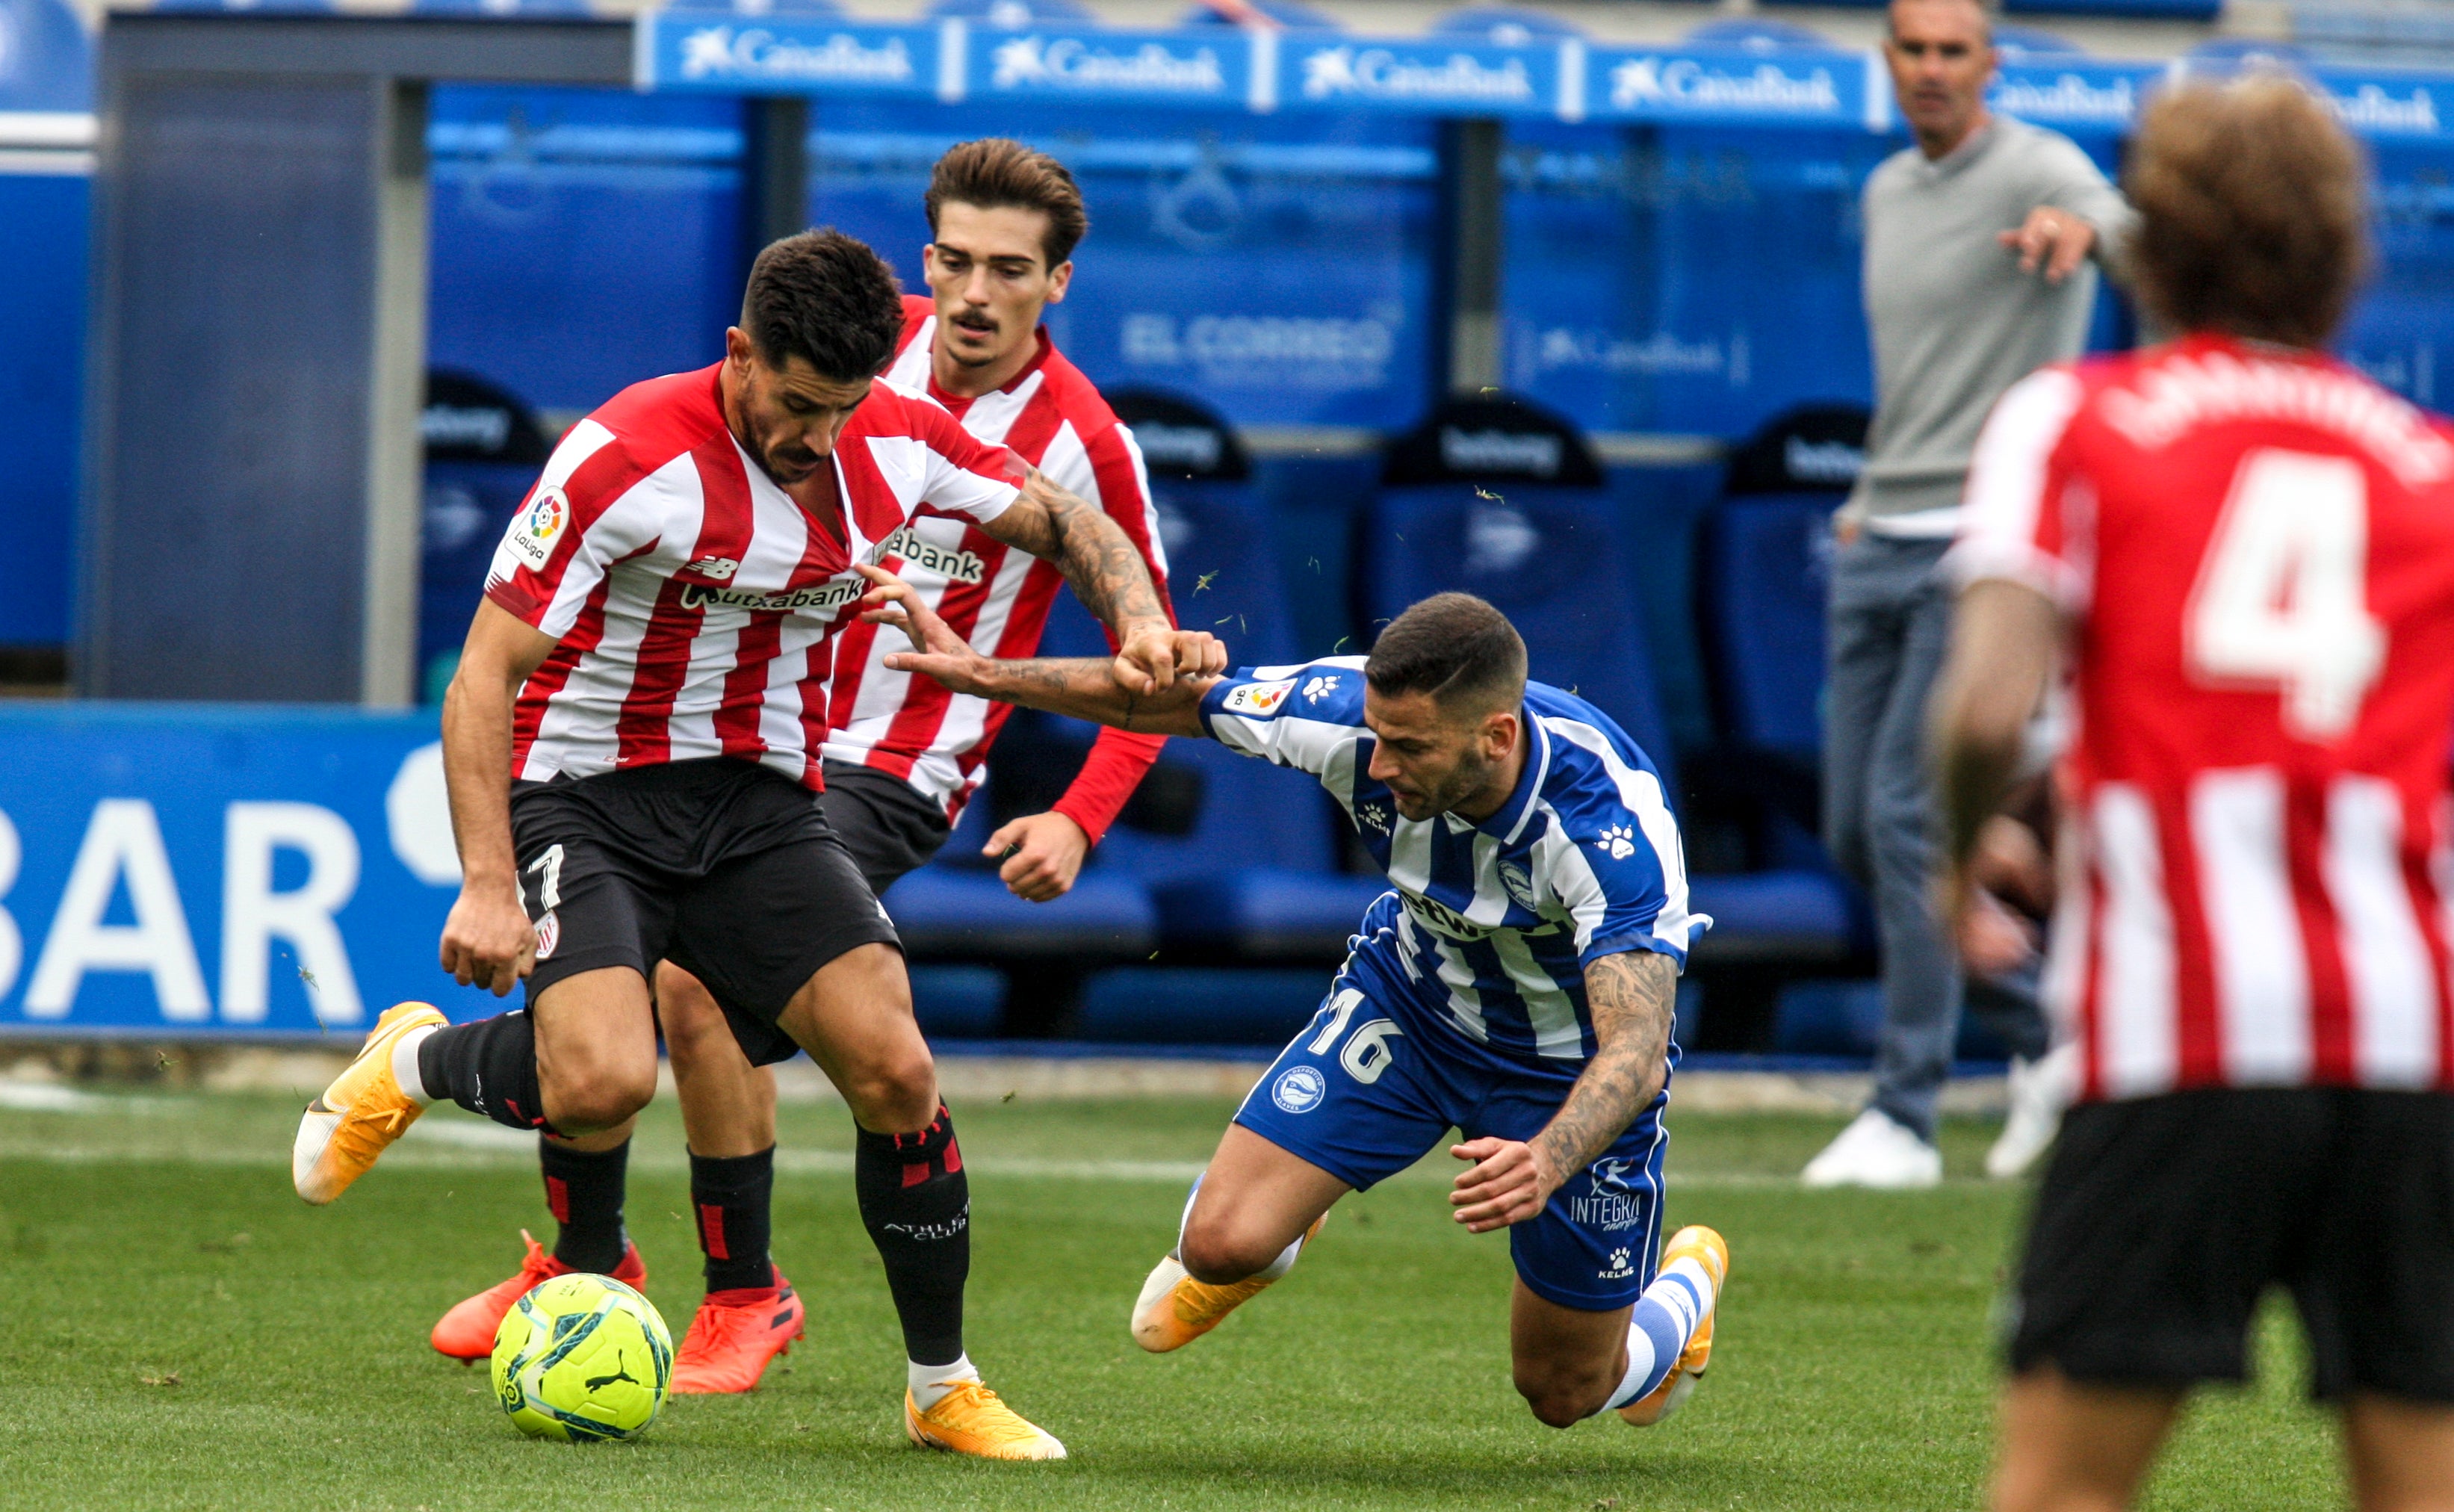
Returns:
<point x="467" y="1332"/>
<point x="736" y="1333"/>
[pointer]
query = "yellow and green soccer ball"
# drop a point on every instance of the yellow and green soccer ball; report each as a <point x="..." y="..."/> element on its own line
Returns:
<point x="582" y="1358"/>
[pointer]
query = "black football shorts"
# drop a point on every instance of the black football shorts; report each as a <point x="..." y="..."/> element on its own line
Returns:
<point x="889" y="828"/>
<point x="726" y="867"/>
<point x="2162" y="1221"/>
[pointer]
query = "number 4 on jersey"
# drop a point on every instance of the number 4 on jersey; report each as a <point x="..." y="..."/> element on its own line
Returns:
<point x="2282" y="598"/>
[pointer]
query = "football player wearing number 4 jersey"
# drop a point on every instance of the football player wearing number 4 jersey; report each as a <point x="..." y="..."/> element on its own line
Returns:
<point x="1516" y="983"/>
<point x="2243" y="550"/>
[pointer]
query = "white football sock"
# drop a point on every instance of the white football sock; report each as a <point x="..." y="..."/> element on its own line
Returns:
<point x="1285" y="1263"/>
<point x="404" y="1065"/>
<point x="1665" y="1317"/>
<point x="930" y="1384"/>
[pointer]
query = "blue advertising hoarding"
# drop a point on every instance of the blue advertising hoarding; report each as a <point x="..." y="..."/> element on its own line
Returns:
<point x="2076" y="96"/>
<point x="1433" y="75"/>
<point x="1734" y="86"/>
<point x="720" y="53"/>
<point x="186" y="869"/>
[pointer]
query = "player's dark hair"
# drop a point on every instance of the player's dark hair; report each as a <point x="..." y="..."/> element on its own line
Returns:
<point x="2252" y="213"/>
<point x="1455" y="647"/>
<point x="995" y="171"/>
<point x="826" y="298"/>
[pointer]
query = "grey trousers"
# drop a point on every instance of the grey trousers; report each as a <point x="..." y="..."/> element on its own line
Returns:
<point x="1890" y="618"/>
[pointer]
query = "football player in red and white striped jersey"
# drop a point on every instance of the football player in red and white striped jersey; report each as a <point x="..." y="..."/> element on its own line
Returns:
<point x="903" y="756"/>
<point x="2244" y="552"/>
<point x="631" y="742"/>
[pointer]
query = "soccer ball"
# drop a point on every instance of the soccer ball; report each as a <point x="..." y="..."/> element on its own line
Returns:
<point x="582" y="1358"/>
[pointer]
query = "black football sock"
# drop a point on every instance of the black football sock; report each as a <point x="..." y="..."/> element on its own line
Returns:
<point x="488" y="1067"/>
<point x="731" y="1195"/>
<point x="585" y="1191"/>
<point x="916" y="1204"/>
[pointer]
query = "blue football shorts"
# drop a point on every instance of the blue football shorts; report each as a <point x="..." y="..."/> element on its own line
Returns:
<point x="1374" y="1084"/>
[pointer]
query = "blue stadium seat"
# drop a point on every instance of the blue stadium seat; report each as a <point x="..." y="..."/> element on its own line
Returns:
<point x="1764" y="569"/>
<point x="1290" y="13"/>
<point x="1500" y="498"/>
<point x="483" y="449"/>
<point x="947" y="912"/>
<point x="1016" y="15"/>
<point x="2017" y="44"/>
<point x="790" y="10"/>
<point x="1255" y="872"/>
<point x="1756" y="35"/>
<point x="1506" y="26"/>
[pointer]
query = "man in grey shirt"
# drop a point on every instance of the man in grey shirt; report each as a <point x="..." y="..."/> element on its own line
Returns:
<point x="1976" y="273"/>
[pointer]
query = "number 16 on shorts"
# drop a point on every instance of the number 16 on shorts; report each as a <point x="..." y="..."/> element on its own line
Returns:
<point x="1299" y="1088"/>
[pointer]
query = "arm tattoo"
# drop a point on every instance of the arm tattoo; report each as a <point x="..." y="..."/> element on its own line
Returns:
<point x="1108" y="575"/>
<point x="1632" y="995"/>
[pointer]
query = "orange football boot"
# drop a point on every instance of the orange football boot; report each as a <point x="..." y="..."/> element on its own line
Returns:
<point x="467" y="1332"/>
<point x="1173" y="1309"/>
<point x="973" y="1419"/>
<point x="361" y="1113"/>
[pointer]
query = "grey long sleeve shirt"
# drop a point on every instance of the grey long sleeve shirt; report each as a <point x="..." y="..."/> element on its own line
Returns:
<point x="1955" y="321"/>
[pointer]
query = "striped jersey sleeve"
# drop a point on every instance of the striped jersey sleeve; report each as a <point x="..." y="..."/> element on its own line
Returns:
<point x="1611" y="854"/>
<point x="594" y="505"/>
<point x="2027" y="517"/>
<point x="1307" y="715"/>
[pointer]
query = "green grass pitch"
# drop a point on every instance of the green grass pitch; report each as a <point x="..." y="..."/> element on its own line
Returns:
<point x="182" y="1332"/>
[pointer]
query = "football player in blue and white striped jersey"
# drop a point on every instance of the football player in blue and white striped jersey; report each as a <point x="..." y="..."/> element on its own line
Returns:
<point x="1515" y="982"/>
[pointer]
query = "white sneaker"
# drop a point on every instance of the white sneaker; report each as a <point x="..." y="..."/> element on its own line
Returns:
<point x="1876" y="1150"/>
<point x="2040" y="1089"/>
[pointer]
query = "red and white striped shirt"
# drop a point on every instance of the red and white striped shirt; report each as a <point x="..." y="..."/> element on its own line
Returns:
<point x="994" y="596"/>
<point x="2256" y="551"/>
<point x="692" y="597"/>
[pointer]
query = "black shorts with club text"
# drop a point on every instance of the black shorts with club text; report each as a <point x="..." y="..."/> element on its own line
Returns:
<point x="2162" y="1221"/>
<point x="726" y="868"/>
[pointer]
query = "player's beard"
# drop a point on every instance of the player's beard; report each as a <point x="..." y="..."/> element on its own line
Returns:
<point x="787" y="465"/>
<point x="1464" y="780"/>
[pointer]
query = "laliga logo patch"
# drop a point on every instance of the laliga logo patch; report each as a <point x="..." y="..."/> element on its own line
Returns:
<point x="539" y="524"/>
<point x="1259" y="697"/>
<point x="548" y="933"/>
<point x="1299" y="1089"/>
<point x="1618" y="842"/>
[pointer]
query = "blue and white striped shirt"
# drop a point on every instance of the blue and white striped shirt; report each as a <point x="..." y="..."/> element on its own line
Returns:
<point x="1489" y="926"/>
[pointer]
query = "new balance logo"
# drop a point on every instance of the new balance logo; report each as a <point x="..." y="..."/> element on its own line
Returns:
<point x="719" y="568"/>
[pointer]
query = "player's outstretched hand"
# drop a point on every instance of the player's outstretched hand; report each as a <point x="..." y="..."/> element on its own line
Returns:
<point x="1154" y="656"/>
<point x="2055" y="239"/>
<point x="938" y="652"/>
<point x="1506" y="1184"/>
<point x="1042" y="854"/>
<point x="488" y="940"/>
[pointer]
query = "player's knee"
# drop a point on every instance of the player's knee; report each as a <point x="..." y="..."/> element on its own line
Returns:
<point x="1217" y="1251"/>
<point x="600" y="1098"/>
<point x="894" y="1092"/>
<point x="1559" y="1401"/>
